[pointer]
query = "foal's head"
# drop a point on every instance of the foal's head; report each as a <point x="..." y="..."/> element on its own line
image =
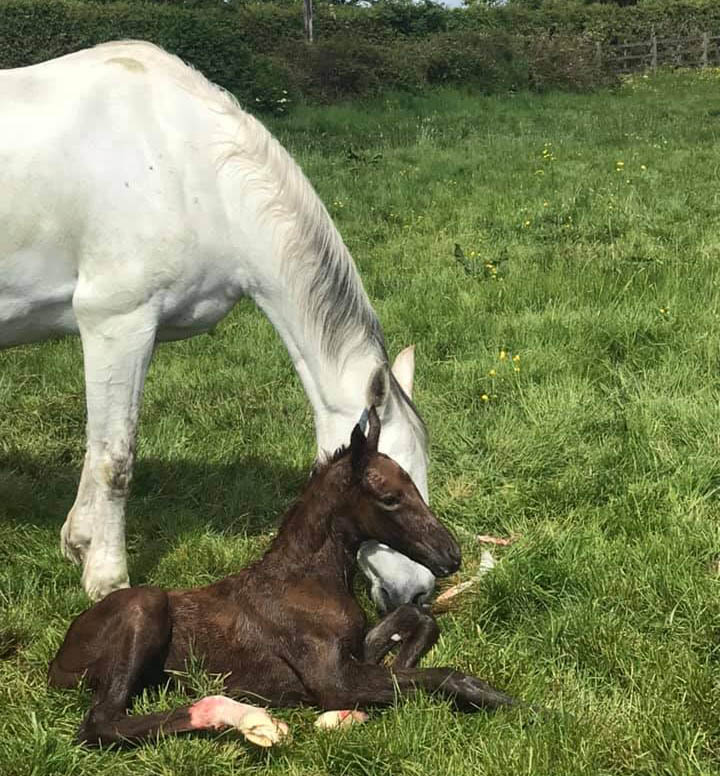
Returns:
<point x="384" y="504"/>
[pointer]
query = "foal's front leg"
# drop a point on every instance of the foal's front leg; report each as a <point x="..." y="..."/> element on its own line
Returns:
<point x="408" y="627"/>
<point x="345" y="683"/>
<point x="116" y="350"/>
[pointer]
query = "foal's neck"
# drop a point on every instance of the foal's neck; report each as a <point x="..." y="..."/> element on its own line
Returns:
<point x="315" y="538"/>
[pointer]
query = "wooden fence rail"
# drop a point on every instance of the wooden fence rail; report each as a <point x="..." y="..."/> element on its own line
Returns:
<point x="701" y="50"/>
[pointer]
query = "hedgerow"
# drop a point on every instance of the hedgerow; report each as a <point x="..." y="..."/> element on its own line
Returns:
<point x="257" y="50"/>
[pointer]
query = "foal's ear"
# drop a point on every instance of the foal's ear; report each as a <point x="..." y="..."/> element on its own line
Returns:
<point x="373" y="430"/>
<point x="358" y="452"/>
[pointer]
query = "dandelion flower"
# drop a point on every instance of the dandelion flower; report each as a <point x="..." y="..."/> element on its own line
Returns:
<point x="492" y="373"/>
<point x="485" y="397"/>
<point x="516" y="358"/>
<point x="503" y="355"/>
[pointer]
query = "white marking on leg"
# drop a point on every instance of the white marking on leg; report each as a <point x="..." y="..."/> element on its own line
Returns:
<point x="216" y="712"/>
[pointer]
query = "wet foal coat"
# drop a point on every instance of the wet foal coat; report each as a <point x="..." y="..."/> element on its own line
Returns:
<point x="287" y="629"/>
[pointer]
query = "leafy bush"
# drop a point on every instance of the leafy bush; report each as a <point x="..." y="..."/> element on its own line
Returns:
<point x="565" y="62"/>
<point x="257" y="51"/>
<point x="342" y="66"/>
<point x="490" y="62"/>
<point x="43" y="29"/>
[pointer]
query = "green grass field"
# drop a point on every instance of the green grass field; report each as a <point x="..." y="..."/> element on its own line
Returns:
<point x="589" y="234"/>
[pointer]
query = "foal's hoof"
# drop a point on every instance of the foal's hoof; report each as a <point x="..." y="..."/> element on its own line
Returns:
<point x="261" y="729"/>
<point x="330" y="720"/>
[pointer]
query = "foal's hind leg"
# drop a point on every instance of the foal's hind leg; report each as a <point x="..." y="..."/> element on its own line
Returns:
<point x="119" y="646"/>
<point x="409" y="627"/>
<point x="117" y="349"/>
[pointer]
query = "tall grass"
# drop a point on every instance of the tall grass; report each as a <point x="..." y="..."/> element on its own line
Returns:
<point x="569" y="372"/>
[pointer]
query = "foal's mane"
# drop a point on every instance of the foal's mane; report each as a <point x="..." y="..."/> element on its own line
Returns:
<point x="321" y="465"/>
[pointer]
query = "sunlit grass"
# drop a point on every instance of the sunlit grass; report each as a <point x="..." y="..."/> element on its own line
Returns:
<point x="569" y="372"/>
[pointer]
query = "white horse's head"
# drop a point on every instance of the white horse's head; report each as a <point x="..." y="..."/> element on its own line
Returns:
<point x="395" y="579"/>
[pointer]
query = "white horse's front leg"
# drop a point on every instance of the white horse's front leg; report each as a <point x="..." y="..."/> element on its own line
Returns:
<point x="116" y="351"/>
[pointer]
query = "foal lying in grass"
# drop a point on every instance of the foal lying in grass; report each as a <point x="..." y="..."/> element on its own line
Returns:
<point x="286" y="628"/>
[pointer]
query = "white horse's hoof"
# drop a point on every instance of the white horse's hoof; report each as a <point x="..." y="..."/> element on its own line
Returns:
<point x="101" y="579"/>
<point x="331" y="720"/>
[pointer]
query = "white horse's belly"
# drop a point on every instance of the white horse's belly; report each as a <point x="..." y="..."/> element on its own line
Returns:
<point x="35" y="297"/>
<point x="113" y="203"/>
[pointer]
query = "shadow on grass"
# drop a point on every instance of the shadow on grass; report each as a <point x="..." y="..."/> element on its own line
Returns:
<point x="168" y="499"/>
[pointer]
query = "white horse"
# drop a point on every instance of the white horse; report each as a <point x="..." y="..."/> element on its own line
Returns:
<point x="138" y="202"/>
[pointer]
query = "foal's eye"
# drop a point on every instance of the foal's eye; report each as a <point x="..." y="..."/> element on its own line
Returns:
<point x="390" y="500"/>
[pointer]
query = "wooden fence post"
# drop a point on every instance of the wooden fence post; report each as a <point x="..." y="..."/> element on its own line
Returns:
<point x="308" y="20"/>
<point x="705" y="45"/>
<point x="653" y="49"/>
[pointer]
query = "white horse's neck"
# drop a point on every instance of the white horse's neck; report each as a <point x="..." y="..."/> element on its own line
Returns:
<point x="336" y="384"/>
<point x="301" y="274"/>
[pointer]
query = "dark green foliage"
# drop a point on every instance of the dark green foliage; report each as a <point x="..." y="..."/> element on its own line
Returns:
<point x="43" y="29"/>
<point x="344" y="66"/>
<point x="257" y="51"/>
<point x="490" y="62"/>
<point x="564" y="62"/>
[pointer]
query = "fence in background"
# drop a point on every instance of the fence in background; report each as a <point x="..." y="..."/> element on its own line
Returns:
<point x="689" y="51"/>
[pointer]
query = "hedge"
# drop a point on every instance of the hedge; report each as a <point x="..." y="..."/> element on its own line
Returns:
<point x="257" y="51"/>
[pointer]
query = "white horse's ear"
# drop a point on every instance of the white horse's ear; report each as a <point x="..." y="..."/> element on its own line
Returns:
<point x="404" y="369"/>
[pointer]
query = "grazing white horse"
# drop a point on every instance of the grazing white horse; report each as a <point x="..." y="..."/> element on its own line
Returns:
<point x="138" y="202"/>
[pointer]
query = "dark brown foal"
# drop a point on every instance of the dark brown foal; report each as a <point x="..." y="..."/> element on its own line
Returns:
<point x="285" y="630"/>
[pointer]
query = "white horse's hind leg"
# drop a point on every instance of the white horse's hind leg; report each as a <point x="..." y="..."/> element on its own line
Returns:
<point x="117" y="350"/>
